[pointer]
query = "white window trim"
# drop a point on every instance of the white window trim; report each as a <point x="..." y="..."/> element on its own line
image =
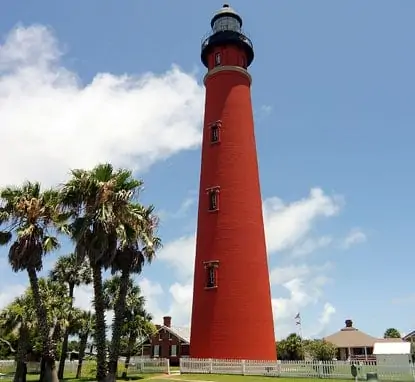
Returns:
<point x="174" y="354"/>
<point x="157" y="353"/>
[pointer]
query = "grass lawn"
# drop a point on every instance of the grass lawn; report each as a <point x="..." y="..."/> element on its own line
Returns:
<point x="88" y="374"/>
<point x="135" y="377"/>
<point x="188" y="377"/>
<point x="232" y="378"/>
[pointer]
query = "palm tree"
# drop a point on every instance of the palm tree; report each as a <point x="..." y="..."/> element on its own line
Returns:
<point x="83" y="325"/>
<point x="30" y="216"/>
<point x="17" y="318"/>
<point x="72" y="272"/>
<point x="291" y="348"/>
<point x="136" y="321"/>
<point x="137" y="244"/>
<point x="57" y="303"/>
<point x="136" y="325"/>
<point x="100" y="202"/>
<point x="112" y="290"/>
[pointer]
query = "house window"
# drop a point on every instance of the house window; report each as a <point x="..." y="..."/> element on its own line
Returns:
<point x="173" y="350"/>
<point x="160" y="335"/>
<point x="217" y="59"/>
<point x="170" y="336"/>
<point x="213" y="195"/>
<point x="156" y="350"/>
<point x="215" y="132"/>
<point x="211" y="268"/>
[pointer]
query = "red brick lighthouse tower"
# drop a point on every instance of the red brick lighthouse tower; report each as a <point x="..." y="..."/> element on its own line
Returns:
<point x="232" y="314"/>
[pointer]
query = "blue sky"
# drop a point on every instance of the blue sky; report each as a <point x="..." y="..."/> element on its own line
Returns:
<point x="333" y="91"/>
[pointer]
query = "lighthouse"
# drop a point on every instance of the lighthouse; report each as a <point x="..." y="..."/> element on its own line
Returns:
<point x="231" y="312"/>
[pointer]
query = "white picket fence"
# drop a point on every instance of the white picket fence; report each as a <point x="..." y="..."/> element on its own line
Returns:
<point x="149" y="365"/>
<point x="137" y="365"/>
<point x="297" y="369"/>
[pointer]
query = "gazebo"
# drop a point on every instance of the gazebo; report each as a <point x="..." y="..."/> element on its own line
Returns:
<point x="351" y="343"/>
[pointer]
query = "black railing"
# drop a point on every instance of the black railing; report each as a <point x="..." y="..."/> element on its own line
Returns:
<point x="232" y="34"/>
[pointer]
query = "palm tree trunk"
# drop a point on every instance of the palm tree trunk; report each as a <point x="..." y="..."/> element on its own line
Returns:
<point x="130" y="347"/>
<point x="119" y="310"/>
<point x="65" y="342"/>
<point x="82" y="347"/>
<point x="57" y="333"/>
<point x="20" y="374"/>
<point x="48" y="351"/>
<point x="100" y="327"/>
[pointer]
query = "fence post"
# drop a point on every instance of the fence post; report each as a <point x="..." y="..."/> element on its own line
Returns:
<point x="243" y="367"/>
<point x="168" y="366"/>
<point x="210" y="365"/>
<point x="320" y="369"/>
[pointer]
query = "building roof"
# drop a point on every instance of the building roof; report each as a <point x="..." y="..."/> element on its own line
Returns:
<point x="183" y="333"/>
<point x="409" y="336"/>
<point x="390" y="340"/>
<point x="350" y="337"/>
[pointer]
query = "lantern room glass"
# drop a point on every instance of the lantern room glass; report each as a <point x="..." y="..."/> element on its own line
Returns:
<point x="226" y="23"/>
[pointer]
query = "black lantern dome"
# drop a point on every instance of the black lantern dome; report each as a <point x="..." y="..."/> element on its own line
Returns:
<point x="226" y="27"/>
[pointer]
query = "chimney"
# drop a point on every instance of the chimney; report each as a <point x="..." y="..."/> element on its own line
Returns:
<point x="167" y="321"/>
<point x="349" y="323"/>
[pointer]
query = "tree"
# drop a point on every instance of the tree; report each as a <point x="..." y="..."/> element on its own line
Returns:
<point x="392" y="333"/>
<point x="83" y="324"/>
<point x="30" y="218"/>
<point x="136" y="321"/>
<point x="290" y="348"/>
<point x="17" y="318"/>
<point x="137" y="325"/>
<point x="100" y="202"/>
<point x="321" y="350"/>
<point x="69" y="270"/>
<point x="137" y="244"/>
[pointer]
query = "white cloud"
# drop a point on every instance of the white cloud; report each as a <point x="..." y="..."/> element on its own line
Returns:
<point x="83" y="296"/>
<point x="10" y="293"/>
<point x="288" y="227"/>
<point x="287" y="224"/>
<point x="304" y="285"/>
<point x="319" y="329"/>
<point x="180" y="255"/>
<point x="152" y="291"/>
<point x="51" y="122"/>
<point x="183" y="210"/>
<point x="328" y="311"/>
<point x="282" y="275"/>
<point x="310" y="245"/>
<point x="355" y="236"/>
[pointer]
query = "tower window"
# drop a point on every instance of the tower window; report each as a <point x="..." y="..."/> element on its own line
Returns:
<point x="217" y="59"/>
<point x="213" y="195"/>
<point x="243" y="62"/>
<point x="215" y="132"/>
<point x="211" y="268"/>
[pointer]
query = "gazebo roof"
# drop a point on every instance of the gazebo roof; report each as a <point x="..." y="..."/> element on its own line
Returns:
<point x="350" y="337"/>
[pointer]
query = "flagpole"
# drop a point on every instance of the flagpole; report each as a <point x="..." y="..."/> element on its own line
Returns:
<point x="300" y="332"/>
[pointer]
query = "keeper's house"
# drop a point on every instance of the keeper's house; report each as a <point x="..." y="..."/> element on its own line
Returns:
<point x="169" y="341"/>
